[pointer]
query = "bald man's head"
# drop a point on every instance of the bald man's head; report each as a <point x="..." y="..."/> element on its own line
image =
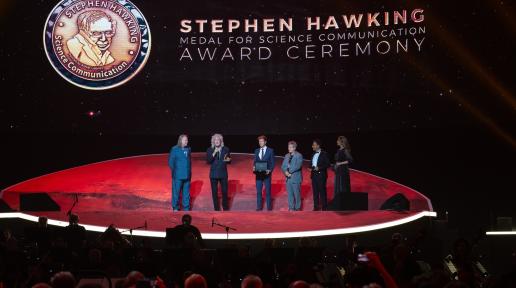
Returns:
<point x="195" y="281"/>
<point x="299" y="284"/>
<point x="252" y="281"/>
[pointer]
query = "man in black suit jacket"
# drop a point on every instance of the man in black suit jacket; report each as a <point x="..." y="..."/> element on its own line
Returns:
<point x="218" y="157"/>
<point x="319" y="165"/>
<point x="177" y="237"/>
<point x="74" y="234"/>
<point x="263" y="154"/>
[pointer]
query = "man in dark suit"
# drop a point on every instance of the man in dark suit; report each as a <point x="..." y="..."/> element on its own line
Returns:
<point x="263" y="154"/>
<point x="180" y="164"/>
<point x="218" y="157"/>
<point x="42" y="235"/>
<point x="177" y="237"/>
<point x="75" y="234"/>
<point x="319" y="165"/>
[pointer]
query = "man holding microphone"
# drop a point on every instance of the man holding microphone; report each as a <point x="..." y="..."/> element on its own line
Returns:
<point x="218" y="157"/>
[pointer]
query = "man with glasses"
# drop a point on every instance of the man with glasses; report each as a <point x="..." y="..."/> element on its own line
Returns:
<point x="91" y="45"/>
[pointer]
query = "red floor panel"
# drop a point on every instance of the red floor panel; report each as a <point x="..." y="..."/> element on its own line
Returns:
<point x="131" y="190"/>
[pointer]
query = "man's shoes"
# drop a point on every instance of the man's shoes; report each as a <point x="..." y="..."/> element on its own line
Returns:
<point x="258" y="209"/>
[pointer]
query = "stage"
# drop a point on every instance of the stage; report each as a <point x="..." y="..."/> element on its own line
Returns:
<point x="132" y="191"/>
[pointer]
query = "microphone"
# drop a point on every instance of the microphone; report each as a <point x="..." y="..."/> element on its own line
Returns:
<point x="212" y="221"/>
<point x="75" y="201"/>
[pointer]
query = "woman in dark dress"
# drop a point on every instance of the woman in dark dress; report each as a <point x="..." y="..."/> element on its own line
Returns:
<point x="342" y="180"/>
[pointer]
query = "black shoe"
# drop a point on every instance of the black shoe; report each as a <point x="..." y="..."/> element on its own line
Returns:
<point x="258" y="209"/>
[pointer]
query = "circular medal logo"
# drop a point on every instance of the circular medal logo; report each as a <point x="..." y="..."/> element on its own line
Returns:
<point x="97" y="44"/>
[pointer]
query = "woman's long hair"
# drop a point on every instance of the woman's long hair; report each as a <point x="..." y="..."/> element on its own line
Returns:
<point x="179" y="140"/>
<point x="215" y="136"/>
<point x="343" y="141"/>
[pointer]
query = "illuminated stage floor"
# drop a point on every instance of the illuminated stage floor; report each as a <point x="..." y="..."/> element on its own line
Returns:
<point x="130" y="191"/>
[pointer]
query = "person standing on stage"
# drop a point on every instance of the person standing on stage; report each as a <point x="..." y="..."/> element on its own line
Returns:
<point x="342" y="180"/>
<point x="291" y="167"/>
<point x="263" y="154"/>
<point x="218" y="157"/>
<point x="319" y="165"/>
<point x="180" y="164"/>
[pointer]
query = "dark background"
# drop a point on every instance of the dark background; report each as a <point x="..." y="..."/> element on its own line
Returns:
<point x="440" y="121"/>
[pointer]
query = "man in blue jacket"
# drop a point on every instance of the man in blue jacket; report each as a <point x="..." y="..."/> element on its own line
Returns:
<point x="180" y="164"/>
<point x="263" y="154"/>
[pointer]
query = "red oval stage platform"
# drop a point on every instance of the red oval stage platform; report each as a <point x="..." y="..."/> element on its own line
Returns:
<point x="133" y="191"/>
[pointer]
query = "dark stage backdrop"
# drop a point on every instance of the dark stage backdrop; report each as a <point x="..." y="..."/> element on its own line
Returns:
<point x="418" y="74"/>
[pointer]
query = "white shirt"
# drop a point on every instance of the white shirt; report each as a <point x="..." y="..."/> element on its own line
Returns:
<point x="316" y="158"/>
<point x="260" y="152"/>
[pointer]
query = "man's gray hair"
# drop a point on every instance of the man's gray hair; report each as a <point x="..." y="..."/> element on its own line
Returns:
<point x="215" y="136"/>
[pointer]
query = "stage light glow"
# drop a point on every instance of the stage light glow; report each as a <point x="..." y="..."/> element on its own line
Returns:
<point x="222" y="236"/>
<point x="501" y="233"/>
<point x="468" y="59"/>
<point x="463" y="101"/>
